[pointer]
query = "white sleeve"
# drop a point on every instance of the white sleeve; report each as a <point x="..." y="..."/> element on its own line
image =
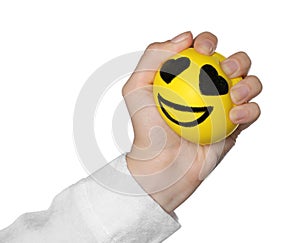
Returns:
<point x="88" y="212"/>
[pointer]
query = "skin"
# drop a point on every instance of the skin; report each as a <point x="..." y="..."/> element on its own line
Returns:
<point x="168" y="167"/>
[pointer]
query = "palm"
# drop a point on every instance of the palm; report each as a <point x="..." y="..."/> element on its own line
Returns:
<point x="162" y="141"/>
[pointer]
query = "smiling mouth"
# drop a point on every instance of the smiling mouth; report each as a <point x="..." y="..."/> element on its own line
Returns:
<point x="204" y="112"/>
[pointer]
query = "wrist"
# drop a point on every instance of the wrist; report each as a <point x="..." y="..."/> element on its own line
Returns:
<point x="146" y="175"/>
<point x="163" y="178"/>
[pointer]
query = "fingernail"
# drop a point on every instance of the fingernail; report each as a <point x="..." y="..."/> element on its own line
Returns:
<point x="238" y="93"/>
<point x="180" y="37"/>
<point x="229" y="67"/>
<point x="237" y="114"/>
<point x="205" y="47"/>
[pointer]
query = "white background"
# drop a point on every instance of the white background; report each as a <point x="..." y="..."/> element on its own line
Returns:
<point x="49" y="49"/>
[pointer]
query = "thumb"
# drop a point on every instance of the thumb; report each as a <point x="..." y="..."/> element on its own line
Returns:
<point x="155" y="54"/>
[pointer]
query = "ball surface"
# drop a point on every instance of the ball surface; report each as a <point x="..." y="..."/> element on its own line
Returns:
<point x="191" y="92"/>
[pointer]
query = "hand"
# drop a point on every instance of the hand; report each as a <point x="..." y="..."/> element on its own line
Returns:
<point x="168" y="167"/>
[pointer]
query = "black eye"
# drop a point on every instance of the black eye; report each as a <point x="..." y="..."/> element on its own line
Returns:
<point x="173" y="67"/>
<point x="211" y="83"/>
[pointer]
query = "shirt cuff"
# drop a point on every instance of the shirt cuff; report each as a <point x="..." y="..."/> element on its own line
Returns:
<point x="123" y="209"/>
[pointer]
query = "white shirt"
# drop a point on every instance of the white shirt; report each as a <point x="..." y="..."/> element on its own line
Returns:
<point x="87" y="212"/>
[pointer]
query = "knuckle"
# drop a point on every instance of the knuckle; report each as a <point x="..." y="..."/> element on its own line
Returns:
<point x="256" y="109"/>
<point x="207" y="35"/>
<point x="125" y="90"/>
<point x="243" y="58"/>
<point x="153" y="46"/>
<point x="246" y="58"/>
<point x="255" y="81"/>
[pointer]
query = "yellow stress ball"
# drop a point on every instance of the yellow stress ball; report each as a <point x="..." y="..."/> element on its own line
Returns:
<point x="191" y="92"/>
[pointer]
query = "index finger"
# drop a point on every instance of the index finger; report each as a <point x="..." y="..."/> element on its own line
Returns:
<point x="206" y="43"/>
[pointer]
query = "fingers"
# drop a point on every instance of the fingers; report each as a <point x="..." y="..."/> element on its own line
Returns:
<point x="245" y="114"/>
<point x="241" y="93"/>
<point x="206" y="43"/>
<point x="236" y="65"/>
<point x="156" y="53"/>
<point x="245" y="90"/>
<point x="153" y="57"/>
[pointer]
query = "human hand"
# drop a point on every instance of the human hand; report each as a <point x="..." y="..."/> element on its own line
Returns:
<point x="167" y="166"/>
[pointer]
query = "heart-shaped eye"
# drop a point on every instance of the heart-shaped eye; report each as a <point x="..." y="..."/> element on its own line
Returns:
<point x="211" y="83"/>
<point x="173" y="67"/>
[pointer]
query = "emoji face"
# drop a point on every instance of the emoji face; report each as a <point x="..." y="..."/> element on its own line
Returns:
<point x="192" y="95"/>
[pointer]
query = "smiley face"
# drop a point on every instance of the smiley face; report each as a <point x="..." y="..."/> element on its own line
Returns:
<point x="192" y="95"/>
